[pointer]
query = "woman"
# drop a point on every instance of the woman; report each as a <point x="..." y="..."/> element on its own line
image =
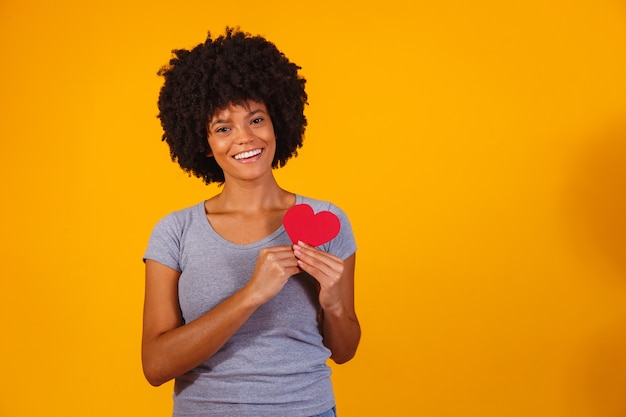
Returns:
<point x="243" y="319"/>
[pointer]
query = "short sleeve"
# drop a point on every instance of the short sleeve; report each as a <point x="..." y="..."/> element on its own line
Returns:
<point x="344" y="244"/>
<point x="164" y="244"/>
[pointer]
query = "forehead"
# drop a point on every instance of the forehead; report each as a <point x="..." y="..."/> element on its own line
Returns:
<point x="243" y="108"/>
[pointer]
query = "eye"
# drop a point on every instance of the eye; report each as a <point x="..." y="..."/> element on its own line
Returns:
<point x="222" y="129"/>
<point x="257" y="120"/>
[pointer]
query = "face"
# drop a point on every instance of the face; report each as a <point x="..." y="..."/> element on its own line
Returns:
<point x="242" y="140"/>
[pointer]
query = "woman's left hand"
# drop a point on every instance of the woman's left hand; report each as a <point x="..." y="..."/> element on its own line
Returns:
<point x="327" y="269"/>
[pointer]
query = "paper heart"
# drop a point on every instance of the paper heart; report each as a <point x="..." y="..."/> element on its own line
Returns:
<point x="302" y="224"/>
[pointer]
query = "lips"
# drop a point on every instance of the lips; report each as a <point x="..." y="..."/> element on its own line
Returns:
<point x="247" y="154"/>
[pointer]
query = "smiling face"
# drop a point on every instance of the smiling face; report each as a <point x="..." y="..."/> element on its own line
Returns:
<point x="242" y="140"/>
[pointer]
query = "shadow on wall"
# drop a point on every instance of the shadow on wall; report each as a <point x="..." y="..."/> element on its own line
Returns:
<point x="595" y="203"/>
<point x="598" y="374"/>
<point x="594" y="214"/>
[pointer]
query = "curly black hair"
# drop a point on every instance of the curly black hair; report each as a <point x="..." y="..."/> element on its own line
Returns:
<point x="232" y="68"/>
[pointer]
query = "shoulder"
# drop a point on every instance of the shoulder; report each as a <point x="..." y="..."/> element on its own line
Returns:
<point x="168" y="237"/>
<point x="180" y="219"/>
<point x="343" y="245"/>
<point x="321" y="205"/>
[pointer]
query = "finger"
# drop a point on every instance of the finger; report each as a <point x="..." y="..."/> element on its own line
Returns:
<point x="277" y="249"/>
<point x="327" y="273"/>
<point x="277" y="253"/>
<point x="314" y="252"/>
<point x="313" y="256"/>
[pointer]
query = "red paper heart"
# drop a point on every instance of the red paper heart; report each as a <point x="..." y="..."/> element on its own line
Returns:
<point x="302" y="224"/>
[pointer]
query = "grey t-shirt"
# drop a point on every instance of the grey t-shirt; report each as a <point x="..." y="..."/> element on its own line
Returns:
<point x="275" y="364"/>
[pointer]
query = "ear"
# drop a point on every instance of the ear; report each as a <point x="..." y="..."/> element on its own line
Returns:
<point x="209" y="153"/>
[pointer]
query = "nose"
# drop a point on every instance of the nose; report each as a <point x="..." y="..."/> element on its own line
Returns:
<point x="244" y="137"/>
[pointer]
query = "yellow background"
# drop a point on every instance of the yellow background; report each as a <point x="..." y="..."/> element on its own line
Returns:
<point x="478" y="147"/>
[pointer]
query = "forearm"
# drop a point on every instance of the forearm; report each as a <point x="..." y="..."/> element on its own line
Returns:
<point x="341" y="332"/>
<point x="174" y="352"/>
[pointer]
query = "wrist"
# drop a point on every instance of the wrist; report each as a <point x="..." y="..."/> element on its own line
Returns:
<point x="250" y="298"/>
<point x="337" y="310"/>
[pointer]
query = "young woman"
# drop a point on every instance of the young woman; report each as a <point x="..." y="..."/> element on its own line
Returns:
<point x="243" y="319"/>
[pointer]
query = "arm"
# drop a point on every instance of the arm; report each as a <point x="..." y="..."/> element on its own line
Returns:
<point x="171" y="348"/>
<point x="340" y="326"/>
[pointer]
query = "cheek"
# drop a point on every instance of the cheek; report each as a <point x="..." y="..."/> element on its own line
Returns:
<point x="215" y="145"/>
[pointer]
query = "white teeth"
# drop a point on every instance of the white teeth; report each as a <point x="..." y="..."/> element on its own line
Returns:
<point x="248" y="154"/>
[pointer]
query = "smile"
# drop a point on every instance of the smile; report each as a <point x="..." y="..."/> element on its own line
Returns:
<point x="247" y="154"/>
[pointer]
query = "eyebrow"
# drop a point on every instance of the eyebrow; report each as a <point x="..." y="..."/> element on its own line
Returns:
<point x="252" y="113"/>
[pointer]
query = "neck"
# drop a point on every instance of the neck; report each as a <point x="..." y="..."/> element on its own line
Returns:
<point x="241" y="196"/>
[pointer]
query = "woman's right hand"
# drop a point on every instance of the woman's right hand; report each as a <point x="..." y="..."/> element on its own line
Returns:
<point x="274" y="266"/>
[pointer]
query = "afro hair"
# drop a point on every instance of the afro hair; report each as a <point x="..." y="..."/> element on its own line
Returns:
<point x="232" y="68"/>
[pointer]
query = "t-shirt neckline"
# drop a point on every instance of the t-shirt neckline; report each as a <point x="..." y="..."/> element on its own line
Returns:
<point x="259" y="243"/>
